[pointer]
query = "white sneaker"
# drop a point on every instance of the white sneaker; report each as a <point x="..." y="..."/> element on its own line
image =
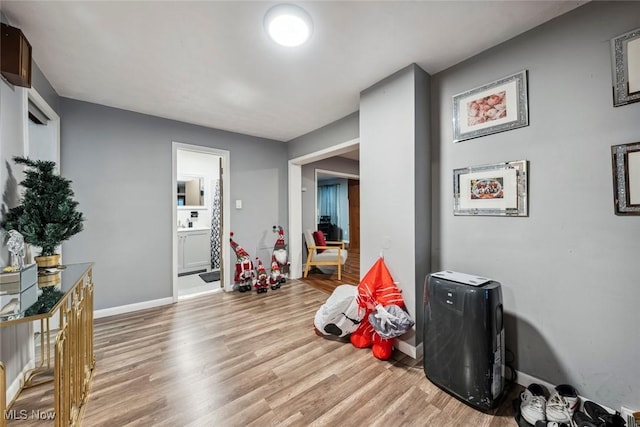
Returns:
<point x="562" y="404"/>
<point x="532" y="407"/>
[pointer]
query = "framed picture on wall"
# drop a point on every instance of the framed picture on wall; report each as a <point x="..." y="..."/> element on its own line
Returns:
<point x="498" y="189"/>
<point x="625" y="61"/>
<point x="494" y="107"/>
<point x="626" y="178"/>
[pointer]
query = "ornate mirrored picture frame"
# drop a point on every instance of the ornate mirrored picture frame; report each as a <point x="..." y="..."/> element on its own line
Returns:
<point x="498" y="189"/>
<point x="626" y="178"/>
<point x="625" y="61"/>
<point x="494" y="107"/>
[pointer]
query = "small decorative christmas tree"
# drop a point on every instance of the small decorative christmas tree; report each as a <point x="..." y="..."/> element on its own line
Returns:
<point x="47" y="215"/>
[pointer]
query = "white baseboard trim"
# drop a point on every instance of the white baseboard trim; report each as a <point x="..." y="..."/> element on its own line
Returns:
<point x="412" y="351"/>
<point x="419" y="351"/>
<point x="14" y="388"/>
<point x="525" y="380"/>
<point x="106" y="312"/>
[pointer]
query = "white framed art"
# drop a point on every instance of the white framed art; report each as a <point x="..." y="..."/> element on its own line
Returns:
<point x="494" y="107"/>
<point x="498" y="189"/>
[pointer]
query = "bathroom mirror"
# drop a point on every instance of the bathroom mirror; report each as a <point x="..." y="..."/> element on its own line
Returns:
<point x="190" y="191"/>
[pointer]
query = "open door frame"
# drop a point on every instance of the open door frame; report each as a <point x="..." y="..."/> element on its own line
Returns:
<point x="225" y="266"/>
<point x="295" y="199"/>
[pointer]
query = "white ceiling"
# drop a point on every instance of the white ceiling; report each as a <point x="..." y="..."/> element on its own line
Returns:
<point x="211" y="63"/>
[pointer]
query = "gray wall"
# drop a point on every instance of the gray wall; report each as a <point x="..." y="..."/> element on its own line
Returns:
<point x="393" y="167"/>
<point x="422" y="197"/>
<point x="342" y="130"/>
<point x="120" y="165"/>
<point x="569" y="271"/>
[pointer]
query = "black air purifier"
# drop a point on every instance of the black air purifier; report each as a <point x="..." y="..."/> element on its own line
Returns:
<point x="464" y="337"/>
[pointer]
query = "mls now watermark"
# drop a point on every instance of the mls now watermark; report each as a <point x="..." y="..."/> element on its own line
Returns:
<point x="23" y="414"/>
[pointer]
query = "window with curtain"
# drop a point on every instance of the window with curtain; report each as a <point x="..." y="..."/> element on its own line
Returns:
<point x="329" y="202"/>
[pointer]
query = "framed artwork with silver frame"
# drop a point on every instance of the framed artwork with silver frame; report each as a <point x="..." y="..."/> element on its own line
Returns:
<point x="498" y="189"/>
<point x="626" y="178"/>
<point x="625" y="61"/>
<point x="494" y="107"/>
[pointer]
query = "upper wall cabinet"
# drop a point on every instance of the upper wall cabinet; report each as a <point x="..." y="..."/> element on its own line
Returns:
<point x="15" y="65"/>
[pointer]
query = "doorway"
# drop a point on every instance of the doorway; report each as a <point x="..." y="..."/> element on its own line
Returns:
<point x="354" y="213"/>
<point x="295" y="199"/>
<point x="200" y="194"/>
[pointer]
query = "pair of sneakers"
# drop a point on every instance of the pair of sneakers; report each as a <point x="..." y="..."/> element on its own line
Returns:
<point x="557" y="411"/>
<point x="594" y="415"/>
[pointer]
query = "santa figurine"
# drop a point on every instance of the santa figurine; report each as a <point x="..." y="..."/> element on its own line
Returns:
<point x="245" y="274"/>
<point x="261" y="283"/>
<point x="275" y="278"/>
<point x="280" y="254"/>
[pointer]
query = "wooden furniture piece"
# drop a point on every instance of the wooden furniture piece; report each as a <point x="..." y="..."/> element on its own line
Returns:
<point x="15" y="64"/>
<point x="73" y="358"/>
<point x="334" y="254"/>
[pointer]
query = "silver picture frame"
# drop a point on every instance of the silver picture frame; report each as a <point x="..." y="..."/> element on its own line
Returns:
<point x="498" y="189"/>
<point x="494" y="107"/>
<point x="626" y="178"/>
<point x="625" y="68"/>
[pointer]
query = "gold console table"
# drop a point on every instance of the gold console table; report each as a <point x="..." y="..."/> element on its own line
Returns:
<point x="71" y="297"/>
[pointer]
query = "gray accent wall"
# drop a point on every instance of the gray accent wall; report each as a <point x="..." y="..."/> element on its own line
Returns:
<point x="343" y="130"/>
<point x="120" y="165"/>
<point x="422" y="197"/>
<point x="569" y="271"/>
<point x="394" y="141"/>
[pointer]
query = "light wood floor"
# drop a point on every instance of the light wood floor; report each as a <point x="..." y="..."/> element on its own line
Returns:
<point x="327" y="282"/>
<point x="232" y="359"/>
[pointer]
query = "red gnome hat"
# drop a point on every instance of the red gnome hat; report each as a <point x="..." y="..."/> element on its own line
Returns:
<point x="274" y="264"/>
<point x="280" y="244"/>
<point x="239" y="250"/>
<point x="261" y="269"/>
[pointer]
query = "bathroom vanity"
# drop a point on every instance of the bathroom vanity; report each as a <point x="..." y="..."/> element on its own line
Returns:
<point x="194" y="249"/>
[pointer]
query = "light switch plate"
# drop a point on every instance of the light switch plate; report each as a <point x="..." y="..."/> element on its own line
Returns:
<point x="238" y="204"/>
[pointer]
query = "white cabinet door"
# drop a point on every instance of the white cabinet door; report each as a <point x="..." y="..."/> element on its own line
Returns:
<point x="196" y="250"/>
<point x="180" y="253"/>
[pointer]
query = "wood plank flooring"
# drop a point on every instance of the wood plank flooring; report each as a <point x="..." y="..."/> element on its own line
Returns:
<point x="243" y="359"/>
<point x="327" y="282"/>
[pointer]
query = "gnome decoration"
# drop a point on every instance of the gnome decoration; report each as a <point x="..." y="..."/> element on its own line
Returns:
<point x="280" y="254"/>
<point x="377" y="293"/>
<point x="245" y="275"/>
<point x="261" y="283"/>
<point x="276" y="277"/>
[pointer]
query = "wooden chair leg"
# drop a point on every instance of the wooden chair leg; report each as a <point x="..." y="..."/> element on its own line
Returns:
<point x="306" y="270"/>
<point x="308" y="264"/>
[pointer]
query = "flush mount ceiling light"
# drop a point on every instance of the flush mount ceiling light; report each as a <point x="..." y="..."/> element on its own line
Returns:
<point x="288" y="25"/>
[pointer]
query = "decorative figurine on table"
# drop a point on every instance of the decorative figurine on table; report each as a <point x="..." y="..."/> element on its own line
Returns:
<point x="15" y="244"/>
<point x="275" y="278"/>
<point x="280" y="254"/>
<point x="262" y="279"/>
<point x="245" y="275"/>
